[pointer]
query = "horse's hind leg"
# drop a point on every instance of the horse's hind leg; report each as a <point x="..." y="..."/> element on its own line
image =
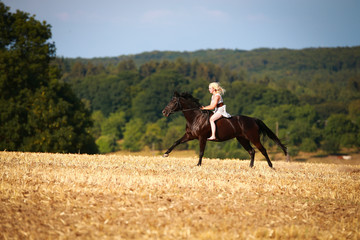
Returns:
<point x="246" y="144"/>
<point x="255" y="139"/>
<point x="264" y="152"/>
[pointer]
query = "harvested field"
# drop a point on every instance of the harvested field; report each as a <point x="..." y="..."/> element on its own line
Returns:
<point x="67" y="196"/>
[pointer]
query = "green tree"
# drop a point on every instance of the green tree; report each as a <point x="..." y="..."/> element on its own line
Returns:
<point x="98" y="119"/>
<point x="156" y="92"/>
<point x="339" y="130"/>
<point x="243" y="97"/>
<point x="354" y="111"/>
<point x="37" y="113"/>
<point x="114" y="125"/>
<point x="133" y="133"/>
<point x="126" y="65"/>
<point x="152" y="137"/>
<point x="106" y="144"/>
<point x="106" y="92"/>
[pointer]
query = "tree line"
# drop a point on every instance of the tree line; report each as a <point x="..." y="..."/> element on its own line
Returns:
<point x="309" y="108"/>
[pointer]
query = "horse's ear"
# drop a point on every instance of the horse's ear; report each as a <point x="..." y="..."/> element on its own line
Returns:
<point x="176" y="94"/>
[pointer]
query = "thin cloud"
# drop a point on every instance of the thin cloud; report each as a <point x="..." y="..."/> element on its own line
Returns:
<point x="213" y="14"/>
<point x="216" y="13"/>
<point x="156" y="16"/>
<point x="63" y="16"/>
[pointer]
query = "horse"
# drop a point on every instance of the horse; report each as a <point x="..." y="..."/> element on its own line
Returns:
<point x="245" y="129"/>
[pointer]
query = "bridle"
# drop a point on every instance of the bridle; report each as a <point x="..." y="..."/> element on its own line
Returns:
<point x="179" y="106"/>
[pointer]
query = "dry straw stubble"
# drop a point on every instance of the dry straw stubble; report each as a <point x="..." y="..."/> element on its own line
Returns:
<point x="64" y="196"/>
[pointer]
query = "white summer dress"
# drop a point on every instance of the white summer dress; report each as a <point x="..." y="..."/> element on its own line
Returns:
<point x="221" y="109"/>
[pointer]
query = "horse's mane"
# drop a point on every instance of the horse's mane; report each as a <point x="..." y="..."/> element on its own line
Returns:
<point x="201" y="119"/>
<point x="189" y="97"/>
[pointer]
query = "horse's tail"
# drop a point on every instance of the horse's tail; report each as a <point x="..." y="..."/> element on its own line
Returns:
<point x="266" y="131"/>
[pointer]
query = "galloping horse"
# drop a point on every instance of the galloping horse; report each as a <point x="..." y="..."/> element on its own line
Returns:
<point x="244" y="129"/>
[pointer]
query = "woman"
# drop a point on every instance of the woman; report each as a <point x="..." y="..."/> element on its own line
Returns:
<point x="217" y="104"/>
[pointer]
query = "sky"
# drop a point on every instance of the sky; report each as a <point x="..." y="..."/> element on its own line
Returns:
<point x="110" y="28"/>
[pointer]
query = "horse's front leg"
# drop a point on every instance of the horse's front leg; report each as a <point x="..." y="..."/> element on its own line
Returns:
<point x="202" y="143"/>
<point x="184" y="139"/>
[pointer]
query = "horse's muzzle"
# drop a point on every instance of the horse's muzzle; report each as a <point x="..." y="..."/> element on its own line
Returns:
<point x="165" y="113"/>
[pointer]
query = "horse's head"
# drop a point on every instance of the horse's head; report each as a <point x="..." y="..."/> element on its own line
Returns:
<point x="173" y="106"/>
<point x="181" y="102"/>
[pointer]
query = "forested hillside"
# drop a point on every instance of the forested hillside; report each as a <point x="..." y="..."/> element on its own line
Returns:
<point x="311" y="97"/>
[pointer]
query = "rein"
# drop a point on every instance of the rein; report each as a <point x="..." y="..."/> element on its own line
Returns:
<point x="180" y="107"/>
<point x="190" y="109"/>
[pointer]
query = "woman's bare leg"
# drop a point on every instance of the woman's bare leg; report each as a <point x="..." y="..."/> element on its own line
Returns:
<point x="213" y="118"/>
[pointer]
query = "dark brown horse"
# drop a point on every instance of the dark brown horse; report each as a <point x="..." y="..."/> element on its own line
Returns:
<point x="244" y="129"/>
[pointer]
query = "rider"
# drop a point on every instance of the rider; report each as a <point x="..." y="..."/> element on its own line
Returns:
<point x="218" y="105"/>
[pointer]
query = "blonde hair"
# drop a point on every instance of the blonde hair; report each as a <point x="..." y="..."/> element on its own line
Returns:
<point x="217" y="87"/>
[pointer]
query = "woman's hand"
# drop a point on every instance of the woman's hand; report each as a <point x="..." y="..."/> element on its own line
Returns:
<point x="213" y="103"/>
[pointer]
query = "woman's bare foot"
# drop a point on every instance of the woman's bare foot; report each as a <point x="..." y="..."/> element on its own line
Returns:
<point x="212" y="138"/>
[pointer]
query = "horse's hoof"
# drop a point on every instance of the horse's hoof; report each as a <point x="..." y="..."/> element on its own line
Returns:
<point x="199" y="165"/>
<point x="166" y="155"/>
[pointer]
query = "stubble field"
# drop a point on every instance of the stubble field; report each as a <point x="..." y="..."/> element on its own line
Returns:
<point x="67" y="196"/>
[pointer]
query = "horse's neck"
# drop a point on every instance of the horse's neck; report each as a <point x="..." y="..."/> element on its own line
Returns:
<point x="190" y="115"/>
<point x="190" y="111"/>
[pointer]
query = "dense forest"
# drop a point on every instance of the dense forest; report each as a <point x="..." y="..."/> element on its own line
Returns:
<point x="310" y="97"/>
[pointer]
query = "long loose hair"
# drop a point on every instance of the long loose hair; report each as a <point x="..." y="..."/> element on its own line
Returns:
<point x="217" y="87"/>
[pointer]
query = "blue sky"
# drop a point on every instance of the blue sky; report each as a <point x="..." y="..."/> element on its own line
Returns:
<point x="108" y="28"/>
